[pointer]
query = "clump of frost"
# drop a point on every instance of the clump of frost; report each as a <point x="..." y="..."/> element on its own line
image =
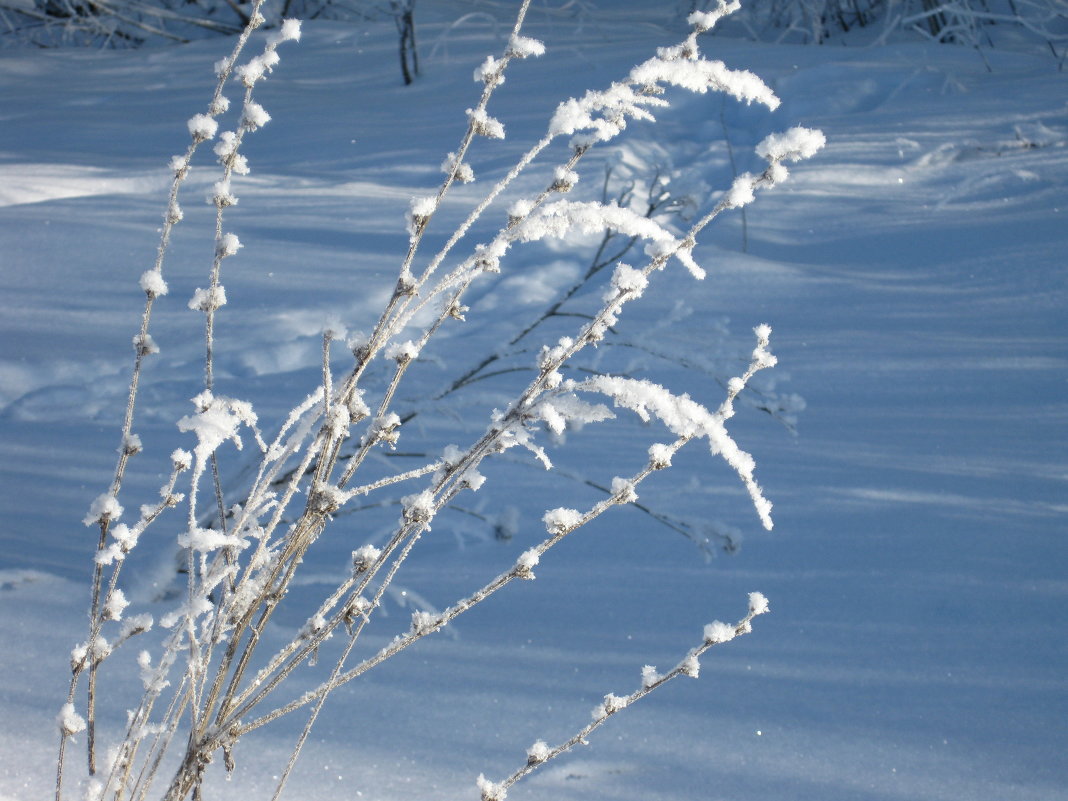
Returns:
<point x="229" y="244"/>
<point x="538" y="753"/>
<point x="525" y="46"/>
<point x="741" y="192"/>
<point x="758" y="603"/>
<point x="612" y="703"/>
<point x="526" y="563"/>
<point x="794" y="144"/>
<point x="206" y="540"/>
<point x="418" y="507"/>
<point x="152" y="283"/>
<point x="254" y="116"/>
<point x="717" y="631"/>
<point x="561" y="520"/>
<point x="115" y="605"/>
<point x="402" y="352"/>
<point x="202" y="127"/>
<point x="461" y="171"/>
<point x="419" y="211"/>
<point x="104" y="507"/>
<point x="69" y="721"/>
<point x="490" y="791"/>
<point x="217" y="420"/>
<point x="364" y="557"/>
<point x="288" y="31"/>
<point x="490" y="72"/>
<point x="221" y="195"/>
<point x="485" y="125"/>
<point x="144" y="344"/>
<point x="181" y="459"/>
<point x="660" y="455"/>
<point x="257" y="67"/>
<point x="219" y="105"/>
<point x="208" y="299"/>
<point x="690" y="666"/>
<point x="623" y="490"/>
<point x="649" y="676"/>
<point x="423" y="622"/>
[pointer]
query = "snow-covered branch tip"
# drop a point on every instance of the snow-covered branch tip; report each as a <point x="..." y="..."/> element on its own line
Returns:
<point x="715" y="633"/>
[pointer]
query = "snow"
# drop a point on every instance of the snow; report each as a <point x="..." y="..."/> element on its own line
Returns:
<point x="912" y="269"/>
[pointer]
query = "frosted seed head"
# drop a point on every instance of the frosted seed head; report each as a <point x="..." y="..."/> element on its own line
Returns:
<point x="420" y="210"/>
<point x="254" y="116"/>
<point x="538" y="753"/>
<point x="290" y="30"/>
<point x="758" y="604"/>
<point x="174" y="213"/>
<point x="649" y="676"/>
<point x="524" y="566"/>
<point x="564" y="180"/>
<point x="384" y="429"/>
<point x="660" y="456"/>
<point x="220" y="105"/>
<point x="239" y="164"/>
<point x="561" y="520"/>
<point x="525" y="46"/>
<point x="459" y="171"/>
<point x="226" y="146"/>
<point x="717" y="631"/>
<point x="358" y="409"/>
<point x="623" y="490"/>
<point x="202" y="127"/>
<point x="325" y="499"/>
<point x="794" y="144"/>
<point x="210" y="299"/>
<point x="403" y="352"/>
<point x="144" y="345"/>
<point x="741" y="191"/>
<point x="69" y="721"/>
<point x="115" y="605"/>
<point x="611" y="704"/>
<point x="424" y="622"/>
<point x="519" y="210"/>
<point x="228" y="245"/>
<point x="363" y="558"/>
<point x="490" y="791"/>
<point x="483" y="124"/>
<point x="690" y="666"/>
<point x="418" y="507"/>
<point x="490" y="72"/>
<point x="104" y="508"/>
<point x="221" y="196"/>
<point x="628" y="281"/>
<point x="152" y="283"/>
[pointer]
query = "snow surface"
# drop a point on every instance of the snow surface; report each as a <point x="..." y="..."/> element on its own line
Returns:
<point x="913" y="272"/>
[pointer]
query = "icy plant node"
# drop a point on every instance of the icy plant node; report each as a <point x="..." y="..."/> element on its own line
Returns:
<point x="538" y="753"/>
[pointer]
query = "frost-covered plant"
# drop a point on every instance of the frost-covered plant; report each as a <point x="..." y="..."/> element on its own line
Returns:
<point x="209" y="682"/>
<point x="974" y="23"/>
